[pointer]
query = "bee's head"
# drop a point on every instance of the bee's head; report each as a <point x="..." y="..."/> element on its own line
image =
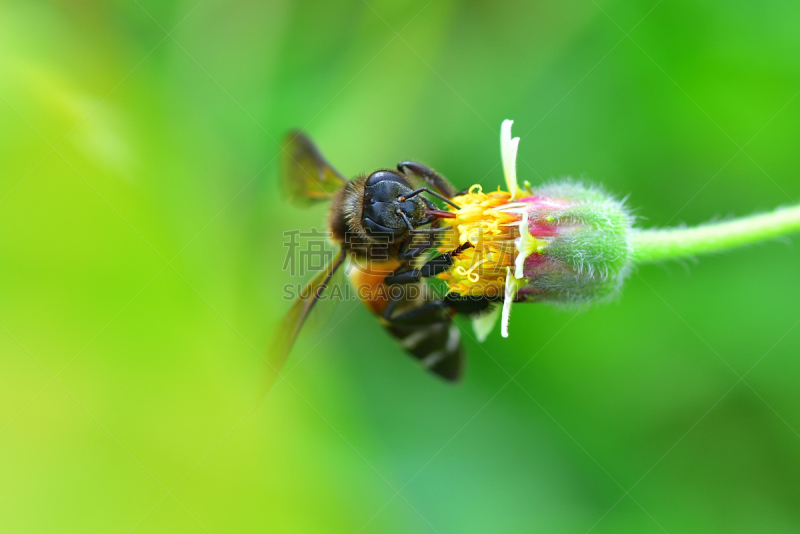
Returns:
<point x="385" y="204"/>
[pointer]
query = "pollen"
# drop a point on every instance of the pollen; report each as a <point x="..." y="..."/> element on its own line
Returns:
<point x="492" y="231"/>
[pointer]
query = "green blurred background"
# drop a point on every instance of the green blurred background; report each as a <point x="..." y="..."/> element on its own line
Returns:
<point x="141" y="248"/>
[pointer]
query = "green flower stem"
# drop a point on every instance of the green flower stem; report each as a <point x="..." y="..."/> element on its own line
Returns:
<point x="670" y="243"/>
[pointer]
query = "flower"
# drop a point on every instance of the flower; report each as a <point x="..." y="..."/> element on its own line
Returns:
<point x="562" y="242"/>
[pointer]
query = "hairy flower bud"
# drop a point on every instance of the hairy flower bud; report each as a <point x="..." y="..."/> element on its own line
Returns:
<point x="567" y="243"/>
<point x="573" y="246"/>
<point x="562" y="242"/>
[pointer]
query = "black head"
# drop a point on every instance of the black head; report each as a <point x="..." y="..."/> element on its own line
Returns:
<point x="385" y="203"/>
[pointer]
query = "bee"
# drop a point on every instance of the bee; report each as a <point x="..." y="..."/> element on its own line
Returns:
<point x="383" y="224"/>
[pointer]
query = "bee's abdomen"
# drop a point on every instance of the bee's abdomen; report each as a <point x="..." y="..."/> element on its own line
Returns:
<point x="437" y="346"/>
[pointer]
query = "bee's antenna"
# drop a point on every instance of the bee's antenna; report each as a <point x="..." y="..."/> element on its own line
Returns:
<point x="412" y="230"/>
<point x="432" y="230"/>
<point x="430" y="192"/>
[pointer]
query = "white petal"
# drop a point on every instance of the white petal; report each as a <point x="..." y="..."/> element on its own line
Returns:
<point x="483" y="324"/>
<point x="508" y="151"/>
<point x="510" y="291"/>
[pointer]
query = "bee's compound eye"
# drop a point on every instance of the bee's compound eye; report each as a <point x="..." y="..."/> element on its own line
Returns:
<point x="382" y="176"/>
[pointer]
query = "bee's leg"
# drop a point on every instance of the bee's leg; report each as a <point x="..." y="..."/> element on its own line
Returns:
<point x="431" y="177"/>
<point x="402" y="277"/>
<point x="439" y="310"/>
<point x="435" y="266"/>
<point x="389" y="310"/>
<point x="409" y="252"/>
<point x="467" y="305"/>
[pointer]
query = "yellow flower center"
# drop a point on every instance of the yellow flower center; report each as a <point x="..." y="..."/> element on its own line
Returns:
<point x="481" y="268"/>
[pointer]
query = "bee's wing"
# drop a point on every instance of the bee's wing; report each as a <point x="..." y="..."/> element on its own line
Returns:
<point x="289" y="327"/>
<point x="307" y="177"/>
